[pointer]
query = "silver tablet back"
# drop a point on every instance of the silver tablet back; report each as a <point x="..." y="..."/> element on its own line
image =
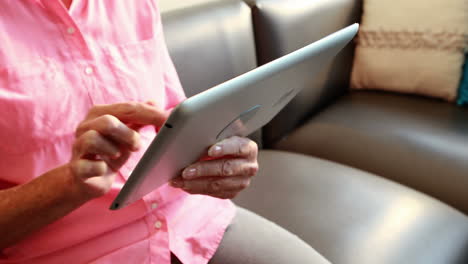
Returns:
<point x="237" y="107"/>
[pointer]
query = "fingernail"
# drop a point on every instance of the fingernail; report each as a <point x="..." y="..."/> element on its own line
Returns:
<point x="189" y="173"/>
<point x="136" y="147"/>
<point x="176" y="184"/>
<point x="215" y="151"/>
<point x="228" y="172"/>
<point x="151" y="102"/>
<point x="136" y="141"/>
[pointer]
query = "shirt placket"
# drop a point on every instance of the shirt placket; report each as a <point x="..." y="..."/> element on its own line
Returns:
<point x="156" y="222"/>
<point x="158" y="250"/>
<point x="84" y="60"/>
<point x="79" y="49"/>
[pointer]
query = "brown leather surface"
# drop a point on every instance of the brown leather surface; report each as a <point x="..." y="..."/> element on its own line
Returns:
<point x="171" y="5"/>
<point x="209" y="41"/>
<point x="282" y="26"/>
<point x="347" y="215"/>
<point x="420" y="142"/>
<point x="350" y="216"/>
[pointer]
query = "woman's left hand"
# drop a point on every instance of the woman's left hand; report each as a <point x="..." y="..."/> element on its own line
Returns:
<point x="230" y="165"/>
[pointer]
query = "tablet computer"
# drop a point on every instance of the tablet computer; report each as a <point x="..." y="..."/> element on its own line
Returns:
<point x="236" y="107"/>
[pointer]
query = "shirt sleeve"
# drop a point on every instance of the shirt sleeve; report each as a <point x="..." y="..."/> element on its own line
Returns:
<point x="173" y="88"/>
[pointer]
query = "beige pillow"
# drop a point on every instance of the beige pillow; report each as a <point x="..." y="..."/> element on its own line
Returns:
<point x="412" y="46"/>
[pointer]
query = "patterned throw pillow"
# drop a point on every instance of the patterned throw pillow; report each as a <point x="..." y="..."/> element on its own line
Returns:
<point x="463" y="92"/>
<point x="412" y="46"/>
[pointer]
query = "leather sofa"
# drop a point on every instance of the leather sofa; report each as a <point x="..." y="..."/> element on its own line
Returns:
<point x="363" y="177"/>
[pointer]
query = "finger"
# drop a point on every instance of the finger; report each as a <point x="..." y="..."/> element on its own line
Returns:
<point x="138" y="127"/>
<point x="210" y="185"/>
<point x="152" y="103"/>
<point x="132" y="112"/>
<point x="89" y="168"/>
<point x="236" y="146"/>
<point x="220" y="168"/>
<point x="93" y="143"/>
<point x="116" y="164"/>
<point x="111" y="127"/>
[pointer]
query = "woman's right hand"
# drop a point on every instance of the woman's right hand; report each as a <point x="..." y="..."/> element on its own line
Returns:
<point x="105" y="140"/>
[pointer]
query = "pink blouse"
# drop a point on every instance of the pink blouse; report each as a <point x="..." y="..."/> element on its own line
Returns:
<point x="55" y="64"/>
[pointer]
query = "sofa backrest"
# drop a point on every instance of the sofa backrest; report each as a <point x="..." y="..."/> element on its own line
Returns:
<point x="210" y="41"/>
<point x="282" y="26"/>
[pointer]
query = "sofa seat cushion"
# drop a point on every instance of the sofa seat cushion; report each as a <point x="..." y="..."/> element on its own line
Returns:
<point x="351" y="216"/>
<point x="419" y="142"/>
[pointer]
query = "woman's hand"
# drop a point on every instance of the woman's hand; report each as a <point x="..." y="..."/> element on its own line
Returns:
<point x="105" y="140"/>
<point x="228" y="170"/>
